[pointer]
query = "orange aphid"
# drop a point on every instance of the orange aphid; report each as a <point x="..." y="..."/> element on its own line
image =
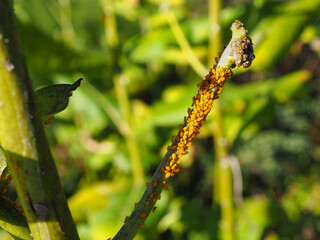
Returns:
<point x="155" y="184"/>
<point x="143" y="215"/>
<point x="135" y="205"/>
<point x="154" y="209"/>
<point x="171" y="163"/>
<point x="15" y="166"/>
<point x="166" y="186"/>
<point x="147" y="184"/>
<point x="147" y="203"/>
<point x="141" y="225"/>
<point x="173" y="147"/>
<point x="16" y="205"/>
<point x="159" y="196"/>
<point x="154" y="199"/>
<point x="126" y="219"/>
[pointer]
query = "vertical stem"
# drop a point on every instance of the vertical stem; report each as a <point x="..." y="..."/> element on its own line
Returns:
<point x="110" y="24"/>
<point x="215" y="30"/>
<point x="24" y="142"/>
<point x="222" y="192"/>
<point x="112" y="39"/>
<point x="223" y="185"/>
<point x="131" y="140"/>
<point x="68" y="34"/>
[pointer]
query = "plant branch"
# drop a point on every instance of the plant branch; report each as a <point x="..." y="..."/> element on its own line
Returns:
<point x="183" y="43"/>
<point x="24" y="142"/>
<point x="131" y="140"/>
<point x="238" y="52"/>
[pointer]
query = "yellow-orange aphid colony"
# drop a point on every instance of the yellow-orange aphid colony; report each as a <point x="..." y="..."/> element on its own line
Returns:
<point x="209" y="89"/>
<point x="239" y="52"/>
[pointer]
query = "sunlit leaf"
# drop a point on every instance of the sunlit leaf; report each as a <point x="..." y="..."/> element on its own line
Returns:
<point x="4" y="173"/>
<point x="54" y="99"/>
<point x="283" y="31"/>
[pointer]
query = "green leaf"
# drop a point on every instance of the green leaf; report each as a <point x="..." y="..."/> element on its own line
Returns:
<point x="13" y="222"/>
<point x="283" y="31"/>
<point x="4" y="174"/>
<point x="245" y="103"/>
<point x="253" y="217"/>
<point x="54" y="99"/>
<point x="173" y="106"/>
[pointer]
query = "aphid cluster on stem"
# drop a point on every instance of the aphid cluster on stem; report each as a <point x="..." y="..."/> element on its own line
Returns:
<point x="239" y="52"/>
<point x="209" y="89"/>
<point x="13" y="203"/>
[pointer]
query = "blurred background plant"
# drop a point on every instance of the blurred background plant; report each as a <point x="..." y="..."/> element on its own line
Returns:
<point x="140" y="61"/>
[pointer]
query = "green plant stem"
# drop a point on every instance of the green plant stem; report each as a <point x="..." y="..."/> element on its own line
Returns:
<point x="184" y="45"/>
<point x="110" y="24"/>
<point x="131" y="140"/>
<point x="67" y="30"/>
<point x="24" y="142"/>
<point x="126" y="128"/>
<point x="214" y="7"/>
<point x="184" y="138"/>
<point x="222" y="176"/>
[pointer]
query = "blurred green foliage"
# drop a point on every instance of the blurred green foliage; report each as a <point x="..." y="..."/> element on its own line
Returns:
<point x="271" y="114"/>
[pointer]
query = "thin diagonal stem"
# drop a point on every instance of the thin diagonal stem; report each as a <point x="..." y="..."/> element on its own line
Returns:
<point x="209" y="90"/>
<point x="184" y="44"/>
